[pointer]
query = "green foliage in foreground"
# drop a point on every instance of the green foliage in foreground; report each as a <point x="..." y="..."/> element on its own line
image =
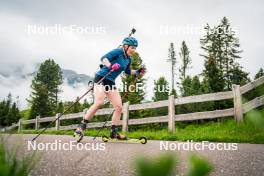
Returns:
<point x="10" y="164"/>
<point x="165" y="164"/>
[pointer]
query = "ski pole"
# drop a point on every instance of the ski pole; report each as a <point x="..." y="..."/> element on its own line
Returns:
<point x="100" y="81"/>
<point x="132" y="32"/>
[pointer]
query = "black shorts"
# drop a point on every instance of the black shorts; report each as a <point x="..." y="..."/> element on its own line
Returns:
<point x="108" y="84"/>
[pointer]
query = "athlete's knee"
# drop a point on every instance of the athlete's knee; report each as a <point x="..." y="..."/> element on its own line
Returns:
<point x="99" y="103"/>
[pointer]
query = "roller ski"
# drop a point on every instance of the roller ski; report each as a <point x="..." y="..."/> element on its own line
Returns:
<point x="115" y="136"/>
<point x="142" y="140"/>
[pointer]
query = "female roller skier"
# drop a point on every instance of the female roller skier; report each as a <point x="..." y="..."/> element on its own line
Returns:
<point x="117" y="60"/>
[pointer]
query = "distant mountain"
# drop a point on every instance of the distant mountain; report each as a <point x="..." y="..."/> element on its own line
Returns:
<point x="72" y="78"/>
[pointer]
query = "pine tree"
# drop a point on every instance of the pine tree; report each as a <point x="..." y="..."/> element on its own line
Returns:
<point x="190" y="86"/>
<point x="8" y="102"/>
<point x="185" y="60"/>
<point x="213" y="76"/>
<point x="85" y="104"/>
<point x="195" y="90"/>
<point x="259" y="74"/>
<point x="5" y="109"/>
<point x="9" y="112"/>
<point x="205" y="88"/>
<point x="186" y="86"/>
<point x="134" y="96"/>
<point x="60" y="107"/>
<point x="231" y="51"/>
<point x="77" y="106"/>
<point x="45" y="89"/>
<point x="195" y="86"/>
<point x="2" y="118"/>
<point x="13" y="115"/>
<point x="213" y="82"/>
<point x="161" y="89"/>
<point x="128" y="81"/>
<point x="172" y="60"/>
<point x="238" y="76"/>
<point x="40" y="102"/>
<point x="7" y="116"/>
<point x="209" y="43"/>
<point x="221" y="43"/>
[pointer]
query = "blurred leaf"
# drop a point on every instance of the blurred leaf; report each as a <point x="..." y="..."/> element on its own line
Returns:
<point x="255" y="117"/>
<point x="163" y="165"/>
<point x="199" y="166"/>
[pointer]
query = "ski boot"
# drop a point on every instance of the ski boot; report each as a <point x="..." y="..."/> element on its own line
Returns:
<point x="78" y="134"/>
<point x="114" y="134"/>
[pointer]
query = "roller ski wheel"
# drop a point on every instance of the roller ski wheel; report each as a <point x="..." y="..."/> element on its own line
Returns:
<point x="142" y="140"/>
<point x="78" y="135"/>
<point x="105" y="138"/>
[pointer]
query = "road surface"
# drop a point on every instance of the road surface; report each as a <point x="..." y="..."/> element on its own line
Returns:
<point x="118" y="158"/>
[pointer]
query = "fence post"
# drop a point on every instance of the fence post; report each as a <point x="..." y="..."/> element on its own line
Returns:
<point x="13" y="124"/>
<point x="171" y="115"/>
<point x="57" y="127"/>
<point x="37" y="123"/>
<point x="84" y="113"/>
<point x="238" y="113"/>
<point x="19" y="125"/>
<point x="125" y="117"/>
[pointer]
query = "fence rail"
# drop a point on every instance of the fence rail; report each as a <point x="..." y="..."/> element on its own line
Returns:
<point x="237" y="111"/>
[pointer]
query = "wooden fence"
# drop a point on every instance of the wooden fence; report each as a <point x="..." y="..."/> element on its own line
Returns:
<point x="237" y="111"/>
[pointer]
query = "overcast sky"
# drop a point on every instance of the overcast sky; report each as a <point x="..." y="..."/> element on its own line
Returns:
<point x="107" y="22"/>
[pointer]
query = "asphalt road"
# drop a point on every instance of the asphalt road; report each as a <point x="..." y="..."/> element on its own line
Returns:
<point x="100" y="158"/>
